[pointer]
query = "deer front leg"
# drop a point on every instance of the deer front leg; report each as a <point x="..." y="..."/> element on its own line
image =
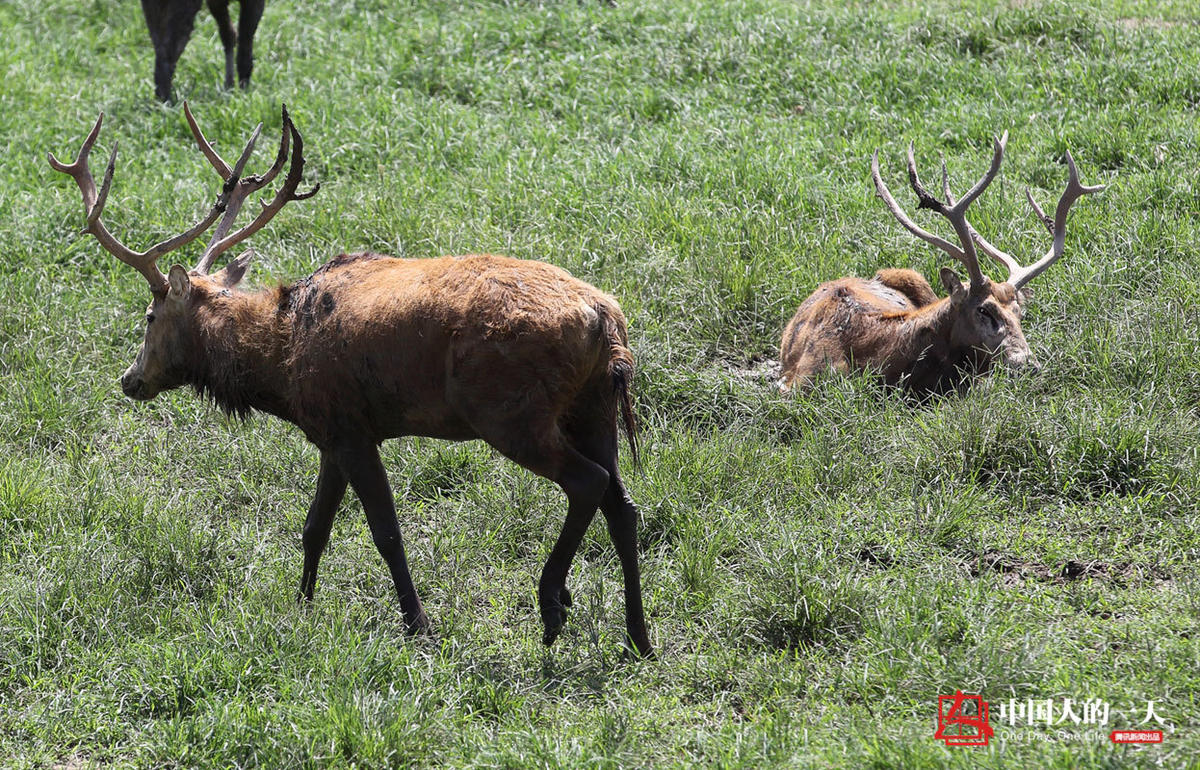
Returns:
<point x="365" y="472"/>
<point x="331" y="487"/>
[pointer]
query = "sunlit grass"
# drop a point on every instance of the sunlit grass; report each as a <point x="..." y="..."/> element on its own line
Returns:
<point x="817" y="569"/>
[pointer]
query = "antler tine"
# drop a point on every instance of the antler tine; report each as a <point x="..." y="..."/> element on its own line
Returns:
<point x="145" y="262"/>
<point x="93" y="205"/>
<point x="1075" y="190"/>
<point x="282" y="155"/>
<point x="232" y="197"/>
<point x="982" y="184"/>
<point x="885" y="195"/>
<point x="984" y="245"/>
<point x="946" y="184"/>
<point x="1041" y="215"/>
<point x="240" y="166"/>
<point x="220" y="242"/>
<point x="216" y="160"/>
<point x="956" y="213"/>
<point x="78" y="169"/>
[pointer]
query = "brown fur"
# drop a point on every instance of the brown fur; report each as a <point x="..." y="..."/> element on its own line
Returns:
<point x="517" y="353"/>
<point x="896" y="326"/>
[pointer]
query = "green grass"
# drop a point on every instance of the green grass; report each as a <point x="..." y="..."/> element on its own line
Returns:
<point x="818" y="569"/>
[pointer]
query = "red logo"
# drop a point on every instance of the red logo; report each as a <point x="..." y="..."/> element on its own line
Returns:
<point x="967" y="715"/>
<point x="1136" y="736"/>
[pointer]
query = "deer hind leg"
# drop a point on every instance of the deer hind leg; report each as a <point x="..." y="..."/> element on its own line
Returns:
<point x="597" y="440"/>
<point x="229" y="37"/>
<point x="365" y="472"/>
<point x="540" y="446"/>
<point x="331" y="488"/>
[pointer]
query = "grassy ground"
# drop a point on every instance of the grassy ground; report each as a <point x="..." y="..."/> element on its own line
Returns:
<point x="818" y="569"/>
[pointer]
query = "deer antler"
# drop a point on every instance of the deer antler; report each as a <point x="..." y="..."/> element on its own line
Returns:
<point x="954" y="211"/>
<point x="229" y="202"/>
<point x="1018" y="276"/>
<point x="145" y="262"/>
<point x="237" y="189"/>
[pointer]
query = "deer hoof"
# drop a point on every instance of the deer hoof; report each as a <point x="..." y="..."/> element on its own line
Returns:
<point x="419" y="626"/>
<point x="553" y="618"/>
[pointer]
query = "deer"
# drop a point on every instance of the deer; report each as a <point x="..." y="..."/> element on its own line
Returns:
<point x="897" y="328"/>
<point x="170" y="24"/>
<point x="517" y="353"/>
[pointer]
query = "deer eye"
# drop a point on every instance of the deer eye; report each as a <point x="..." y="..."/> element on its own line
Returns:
<point x="149" y="318"/>
<point x="987" y="316"/>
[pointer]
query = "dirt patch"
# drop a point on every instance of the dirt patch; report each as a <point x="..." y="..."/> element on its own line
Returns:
<point x="877" y="555"/>
<point x="1142" y="23"/>
<point x="767" y="370"/>
<point x="1015" y="571"/>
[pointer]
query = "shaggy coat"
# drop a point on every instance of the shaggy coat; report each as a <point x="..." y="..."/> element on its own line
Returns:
<point x="896" y="326"/>
<point x="517" y="353"/>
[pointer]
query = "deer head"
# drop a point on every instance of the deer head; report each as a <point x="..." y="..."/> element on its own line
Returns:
<point x="987" y="315"/>
<point x="161" y="362"/>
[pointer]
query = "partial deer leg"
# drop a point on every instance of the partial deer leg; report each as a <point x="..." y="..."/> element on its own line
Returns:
<point x="248" y="18"/>
<point x="331" y="487"/>
<point x="220" y="12"/>
<point x="621" y="515"/>
<point x="170" y="27"/>
<point x="597" y="439"/>
<point x="584" y="483"/>
<point x="366" y="474"/>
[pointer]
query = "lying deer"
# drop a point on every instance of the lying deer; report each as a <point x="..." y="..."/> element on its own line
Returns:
<point x="896" y="326"/>
<point x="517" y="353"/>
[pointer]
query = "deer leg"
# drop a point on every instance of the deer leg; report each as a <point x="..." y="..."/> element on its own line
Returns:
<point x="367" y="476"/>
<point x="331" y="487"/>
<point x="170" y="27"/>
<point x="584" y="483"/>
<point x="597" y="439"/>
<point x="248" y="18"/>
<point x="621" y="515"/>
<point x="220" y="12"/>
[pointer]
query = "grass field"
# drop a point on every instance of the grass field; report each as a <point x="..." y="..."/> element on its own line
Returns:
<point x="818" y="569"/>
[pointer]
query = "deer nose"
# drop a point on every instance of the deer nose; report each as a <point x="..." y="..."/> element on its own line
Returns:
<point x="131" y="384"/>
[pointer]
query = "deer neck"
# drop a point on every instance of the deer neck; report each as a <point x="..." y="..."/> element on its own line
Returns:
<point x="242" y="357"/>
<point x="934" y="361"/>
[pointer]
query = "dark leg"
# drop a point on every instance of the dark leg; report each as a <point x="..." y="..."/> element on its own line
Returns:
<point x="170" y="25"/>
<point x="596" y="437"/>
<point x="248" y="18"/>
<point x="366" y="474"/>
<point x="220" y="12"/>
<point x="621" y="515"/>
<point x="331" y="487"/>
<point x="584" y="483"/>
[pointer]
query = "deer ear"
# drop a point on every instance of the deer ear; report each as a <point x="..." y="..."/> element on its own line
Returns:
<point x="180" y="284"/>
<point x="232" y="274"/>
<point x="953" y="285"/>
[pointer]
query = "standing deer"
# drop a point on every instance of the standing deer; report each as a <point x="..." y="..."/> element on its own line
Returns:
<point x="896" y="326"/>
<point x="170" y="23"/>
<point x="517" y="353"/>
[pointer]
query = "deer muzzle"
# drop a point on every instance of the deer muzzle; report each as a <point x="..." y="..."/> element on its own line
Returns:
<point x="134" y="386"/>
